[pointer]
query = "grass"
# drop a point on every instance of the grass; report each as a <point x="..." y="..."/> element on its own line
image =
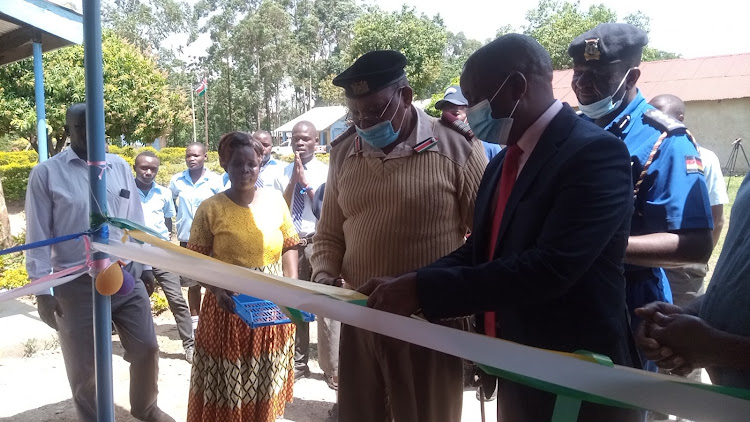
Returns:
<point x="733" y="184"/>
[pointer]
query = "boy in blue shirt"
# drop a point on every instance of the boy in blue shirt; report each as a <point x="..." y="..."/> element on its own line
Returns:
<point x="158" y="210"/>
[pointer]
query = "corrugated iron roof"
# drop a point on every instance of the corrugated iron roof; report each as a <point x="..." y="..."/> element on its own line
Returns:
<point x="320" y="117"/>
<point x="699" y="79"/>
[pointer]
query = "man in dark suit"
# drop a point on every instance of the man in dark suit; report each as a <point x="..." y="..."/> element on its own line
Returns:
<point x="543" y="266"/>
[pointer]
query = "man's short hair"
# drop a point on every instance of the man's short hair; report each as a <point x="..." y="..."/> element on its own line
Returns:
<point x="511" y="53"/>
<point x="200" y="144"/>
<point x="669" y="104"/>
<point x="144" y="154"/>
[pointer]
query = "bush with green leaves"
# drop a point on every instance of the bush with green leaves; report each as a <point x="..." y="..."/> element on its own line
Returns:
<point x="288" y="158"/>
<point x="16" y="166"/>
<point x="159" y="302"/>
<point x="12" y="269"/>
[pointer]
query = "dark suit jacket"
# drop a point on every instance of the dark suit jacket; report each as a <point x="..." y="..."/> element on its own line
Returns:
<point x="556" y="280"/>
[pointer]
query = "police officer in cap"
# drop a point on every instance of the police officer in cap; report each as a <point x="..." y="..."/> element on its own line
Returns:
<point x="453" y="107"/>
<point x="671" y="224"/>
<point x="400" y="194"/>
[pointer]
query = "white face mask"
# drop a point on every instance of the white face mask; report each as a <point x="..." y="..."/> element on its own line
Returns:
<point x="486" y="127"/>
<point x="604" y="106"/>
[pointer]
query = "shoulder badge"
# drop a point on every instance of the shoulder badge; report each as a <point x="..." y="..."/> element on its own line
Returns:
<point x="343" y="136"/>
<point x="663" y="122"/>
<point x="693" y="164"/>
<point x="426" y="144"/>
<point x="459" y="127"/>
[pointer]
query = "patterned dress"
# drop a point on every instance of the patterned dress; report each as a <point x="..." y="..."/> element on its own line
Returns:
<point x="239" y="373"/>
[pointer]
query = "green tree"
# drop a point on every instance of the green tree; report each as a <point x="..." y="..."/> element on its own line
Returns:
<point x="458" y="48"/>
<point x="420" y="38"/>
<point x="556" y="23"/>
<point x="505" y="29"/>
<point x="147" y="23"/>
<point x="139" y="106"/>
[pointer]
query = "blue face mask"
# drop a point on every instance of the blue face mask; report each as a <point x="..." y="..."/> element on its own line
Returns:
<point x="486" y="127"/>
<point x="604" y="106"/>
<point x="382" y="134"/>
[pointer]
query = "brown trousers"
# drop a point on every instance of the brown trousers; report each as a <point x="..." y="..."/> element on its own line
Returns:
<point x="382" y="379"/>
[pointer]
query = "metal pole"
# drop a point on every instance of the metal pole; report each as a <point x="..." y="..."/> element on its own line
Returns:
<point x="41" y="118"/>
<point x="205" y="111"/>
<point x="192" y="101"/>
<point x="92" y="58"/>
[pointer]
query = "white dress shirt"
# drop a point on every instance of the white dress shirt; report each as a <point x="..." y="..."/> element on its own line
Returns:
<point x="717" y="189"/>
<point x="57" y="204"/>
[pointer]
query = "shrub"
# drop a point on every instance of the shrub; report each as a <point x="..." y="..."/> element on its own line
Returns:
<point x="16" y="166"/>
<point x="159" y="302"/>
<point x="14" y="277"/>
<point x="325" y="158"/>
<point x="15" y="177"/>
<point x="18" y="157"/>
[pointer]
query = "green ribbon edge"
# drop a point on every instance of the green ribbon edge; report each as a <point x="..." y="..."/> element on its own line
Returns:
<point x="566" y="409"/>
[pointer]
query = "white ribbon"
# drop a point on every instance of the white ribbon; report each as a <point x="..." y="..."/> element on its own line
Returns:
<point x="665" y="394"/>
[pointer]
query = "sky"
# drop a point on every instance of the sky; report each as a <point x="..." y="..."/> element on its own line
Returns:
<point x="705" y="28"/>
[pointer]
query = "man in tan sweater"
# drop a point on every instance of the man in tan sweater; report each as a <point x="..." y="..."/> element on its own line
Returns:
<point x="400" y="194"/>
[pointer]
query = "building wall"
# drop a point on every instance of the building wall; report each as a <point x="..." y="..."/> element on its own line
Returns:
<point x="716" y="124"/>
<point x="338" y="128"/>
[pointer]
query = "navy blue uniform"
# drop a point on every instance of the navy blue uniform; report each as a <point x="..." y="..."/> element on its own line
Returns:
<point x="672" y="196"/>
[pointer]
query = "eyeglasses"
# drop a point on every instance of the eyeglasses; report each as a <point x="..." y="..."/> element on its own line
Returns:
<point x="352" y="119"/>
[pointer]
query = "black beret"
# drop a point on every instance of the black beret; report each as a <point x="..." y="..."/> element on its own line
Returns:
<point x="372" y="72"/>
<point x="608" y="43"/>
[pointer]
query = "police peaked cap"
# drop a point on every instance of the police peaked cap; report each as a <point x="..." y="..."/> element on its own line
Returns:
<point x="608" y="43"/>
<point x="372" y="72"/>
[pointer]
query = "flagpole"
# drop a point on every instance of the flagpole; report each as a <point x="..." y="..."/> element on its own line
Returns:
<point x="192" y="102"/>
<point x="205" y="110"/>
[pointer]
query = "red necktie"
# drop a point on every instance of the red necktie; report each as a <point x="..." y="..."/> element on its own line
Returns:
<point x="507" y="180"/>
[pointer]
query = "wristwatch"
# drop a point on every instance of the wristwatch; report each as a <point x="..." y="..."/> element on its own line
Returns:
<point x="305" y="190"/>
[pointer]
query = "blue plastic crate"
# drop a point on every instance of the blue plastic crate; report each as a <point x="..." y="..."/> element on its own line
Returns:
<point x="262" y="313"/>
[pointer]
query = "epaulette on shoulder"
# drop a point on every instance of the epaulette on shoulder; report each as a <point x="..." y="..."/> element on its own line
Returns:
<point x="343" y="136"/>
<point x="460" y="127"/>
<point x="662" y="122"/>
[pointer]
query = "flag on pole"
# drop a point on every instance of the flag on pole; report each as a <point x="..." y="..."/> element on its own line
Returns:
<point x="201" y="89"/>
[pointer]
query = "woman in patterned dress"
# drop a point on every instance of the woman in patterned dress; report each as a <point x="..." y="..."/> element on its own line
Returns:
<point x="239" y="373"/>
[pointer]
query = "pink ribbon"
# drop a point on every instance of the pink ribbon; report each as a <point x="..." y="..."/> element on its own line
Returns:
<point x="102" y="166"/>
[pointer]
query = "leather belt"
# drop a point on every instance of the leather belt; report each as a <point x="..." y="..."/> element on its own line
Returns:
<point x="308" y="240"/>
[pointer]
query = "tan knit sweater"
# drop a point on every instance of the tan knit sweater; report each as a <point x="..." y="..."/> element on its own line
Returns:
<point x="388" y="215"/>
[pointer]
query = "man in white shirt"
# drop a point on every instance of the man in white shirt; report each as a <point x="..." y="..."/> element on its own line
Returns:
<point x="189" y="188"/>
<point x="158" y="210"/>
<point x="687" y="282"/>
<point x="57" y="203"/>
<point x="299" y="183"/>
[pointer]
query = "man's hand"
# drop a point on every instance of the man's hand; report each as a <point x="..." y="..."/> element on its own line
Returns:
<point x="224" y="298"/>
<point x="149" y="281"/>
<point x="298" y="175"/>
<point x="394" y="295"/>
<point x="325" y="278"/>
<point x="691" y="339"/>
<point x="653" y="349"/>
<point x="648" y="312"/>
<point x="48" y="306"/>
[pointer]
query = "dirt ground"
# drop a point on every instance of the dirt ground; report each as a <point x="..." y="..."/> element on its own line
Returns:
<point x="34" y="387"/>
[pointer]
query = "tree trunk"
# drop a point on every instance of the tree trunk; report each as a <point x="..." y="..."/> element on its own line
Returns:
<point x="5" y="237"/>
